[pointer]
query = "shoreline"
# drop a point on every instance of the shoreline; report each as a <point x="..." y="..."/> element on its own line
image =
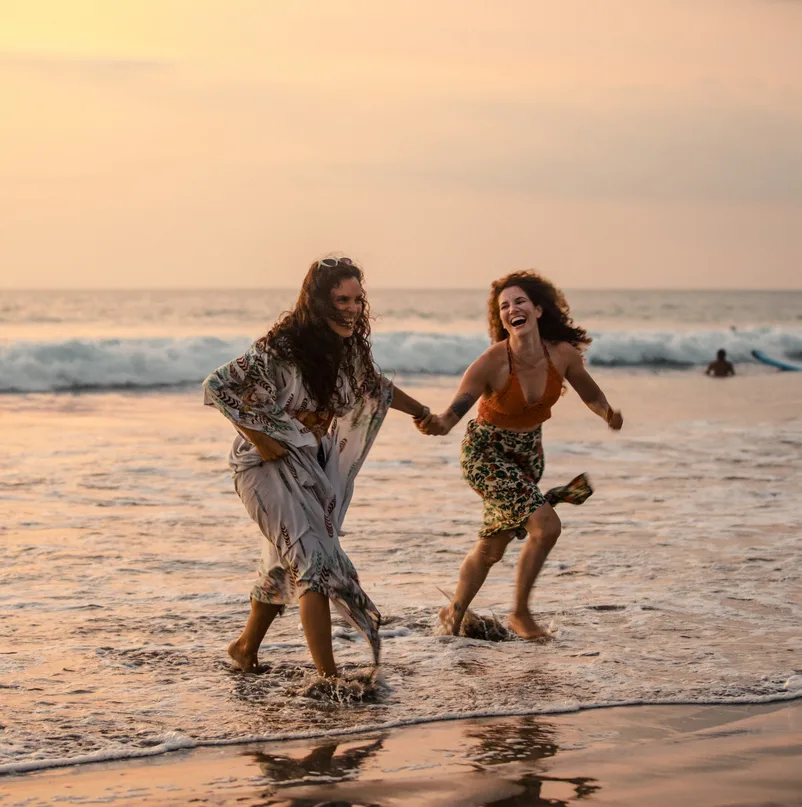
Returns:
<point x="704" y="754"/>
<point x="178" y="743"/>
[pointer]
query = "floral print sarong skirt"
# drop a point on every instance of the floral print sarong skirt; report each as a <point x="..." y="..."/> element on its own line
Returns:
<point x="505" y="468"/>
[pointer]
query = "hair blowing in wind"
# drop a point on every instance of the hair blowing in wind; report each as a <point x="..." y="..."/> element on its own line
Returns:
<point x="303" y="337"/>
<point x="555" y="324"/>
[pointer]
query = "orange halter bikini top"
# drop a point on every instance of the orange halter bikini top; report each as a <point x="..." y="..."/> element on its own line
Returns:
<point x="508" y="408"/>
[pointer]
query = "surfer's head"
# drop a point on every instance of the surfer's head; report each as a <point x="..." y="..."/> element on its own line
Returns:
<point x="721" y="355"/>
<point x="555" y="323"/>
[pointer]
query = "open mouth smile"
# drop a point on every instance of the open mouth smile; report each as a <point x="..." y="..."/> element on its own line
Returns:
<point x="517" y="321"/>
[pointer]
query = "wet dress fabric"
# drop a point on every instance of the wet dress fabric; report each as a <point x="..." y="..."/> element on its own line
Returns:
<point x="299" y="501"/>
<point x="505" y="466"/>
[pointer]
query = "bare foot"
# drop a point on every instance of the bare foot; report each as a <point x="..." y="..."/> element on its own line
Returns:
<point x="244" y="659"/>
<point x="449" y="621"/>
<point x="526" y="627"/>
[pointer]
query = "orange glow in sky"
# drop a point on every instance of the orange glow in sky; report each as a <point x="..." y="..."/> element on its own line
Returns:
<point x="202" y="143"/>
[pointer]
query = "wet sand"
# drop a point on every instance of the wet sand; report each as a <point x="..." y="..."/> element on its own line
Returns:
<point x="645" y="755"/>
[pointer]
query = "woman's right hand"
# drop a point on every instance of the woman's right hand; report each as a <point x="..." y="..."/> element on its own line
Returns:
<point x="269" y="449"/>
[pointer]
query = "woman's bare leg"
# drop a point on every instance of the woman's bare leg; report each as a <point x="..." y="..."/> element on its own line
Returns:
<point x="244" y="650"/>
<point x="472" y="575"/>
<point x="316" y="619"/>
<point x="544" y="529"/>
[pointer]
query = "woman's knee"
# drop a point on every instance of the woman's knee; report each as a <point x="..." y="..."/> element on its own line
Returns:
<point x="491" y="550"/>
<point x="545" y="526"/>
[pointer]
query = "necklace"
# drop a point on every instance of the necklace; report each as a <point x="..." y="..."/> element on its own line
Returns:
<point x="520" y="363"/>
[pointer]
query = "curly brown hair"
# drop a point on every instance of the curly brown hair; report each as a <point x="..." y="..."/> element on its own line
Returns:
<point x="303" y="337"/>
<point x="555" y="324"/>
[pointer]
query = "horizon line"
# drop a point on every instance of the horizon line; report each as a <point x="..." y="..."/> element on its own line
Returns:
<point x="391" y="288"/>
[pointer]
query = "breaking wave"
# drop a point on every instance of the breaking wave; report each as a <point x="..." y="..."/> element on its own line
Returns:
<point x="85" y="364"/>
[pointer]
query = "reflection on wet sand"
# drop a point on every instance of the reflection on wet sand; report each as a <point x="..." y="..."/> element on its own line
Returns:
<point x="544" y="791"/>
<point x="521" y="739"/>
<point x="526" y="741"/>
<point x="659" y="756"/>
<point x="486" y="763"/>
<point x="322" y="760"/>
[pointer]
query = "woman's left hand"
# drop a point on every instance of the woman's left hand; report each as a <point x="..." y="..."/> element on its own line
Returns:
<point x="615" y="420"/>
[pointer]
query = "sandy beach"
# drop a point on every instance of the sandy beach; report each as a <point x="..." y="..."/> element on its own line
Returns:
<point x="649" y="755"/>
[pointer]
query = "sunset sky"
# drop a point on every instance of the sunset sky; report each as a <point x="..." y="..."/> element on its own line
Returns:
<point x="219" y="143"/>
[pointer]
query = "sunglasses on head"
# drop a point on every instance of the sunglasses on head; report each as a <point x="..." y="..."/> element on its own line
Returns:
<point x="330" y="263"/>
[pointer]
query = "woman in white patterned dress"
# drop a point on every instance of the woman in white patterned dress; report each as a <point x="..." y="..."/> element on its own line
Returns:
<point x="307" y="402"/>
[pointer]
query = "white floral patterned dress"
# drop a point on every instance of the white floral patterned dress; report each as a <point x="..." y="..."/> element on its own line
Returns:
<point x="300" y="500"/>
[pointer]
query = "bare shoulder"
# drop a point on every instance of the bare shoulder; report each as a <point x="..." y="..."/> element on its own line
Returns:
<point x="562" y="349"/>
<point x="497" y="357"/>
<point x="496" y="353"/>
<point x="489" y="359"/>
<point x="564" y="356"/>
<point x="491" y="365"/>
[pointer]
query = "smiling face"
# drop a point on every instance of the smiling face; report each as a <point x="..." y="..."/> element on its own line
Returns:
<point x="519" y="315"/>
<point x="348" y="301"/>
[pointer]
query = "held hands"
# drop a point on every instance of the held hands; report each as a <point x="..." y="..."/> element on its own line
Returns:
<point x="433" y="425"/>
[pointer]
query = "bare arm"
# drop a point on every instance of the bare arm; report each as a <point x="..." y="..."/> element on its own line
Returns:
<point x="407" y="404"/>
<point x="579" y="378"/>
<point x="473" y="384"/>
<point x="268" y="448"/>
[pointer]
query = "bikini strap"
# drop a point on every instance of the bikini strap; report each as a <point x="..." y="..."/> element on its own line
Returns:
<point x="552" y="369"/>
<point x="509" y="357"/>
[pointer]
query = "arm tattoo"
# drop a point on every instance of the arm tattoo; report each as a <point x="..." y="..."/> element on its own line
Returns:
<point x="462" y="405"/>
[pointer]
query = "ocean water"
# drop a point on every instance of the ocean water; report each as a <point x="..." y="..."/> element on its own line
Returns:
<point x="52" y="341"/>
<point x="126" y="557"/>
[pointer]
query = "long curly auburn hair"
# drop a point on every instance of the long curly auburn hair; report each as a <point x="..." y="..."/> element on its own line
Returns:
<point x="303" y="337"/>
<point x="555" y="324"/>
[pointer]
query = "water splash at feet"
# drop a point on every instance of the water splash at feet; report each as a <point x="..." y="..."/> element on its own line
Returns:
<point x="352" y="686"/>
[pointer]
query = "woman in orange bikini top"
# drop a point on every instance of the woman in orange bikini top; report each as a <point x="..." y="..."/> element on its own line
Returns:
<point x="508" y="408"/>
<point x="519" y="379"/>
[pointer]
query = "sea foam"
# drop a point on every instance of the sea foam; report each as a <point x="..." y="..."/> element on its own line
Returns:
<point x="84" y="364"/>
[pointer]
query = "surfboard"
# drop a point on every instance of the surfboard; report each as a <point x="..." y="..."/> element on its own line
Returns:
<point x="778" y="363"/>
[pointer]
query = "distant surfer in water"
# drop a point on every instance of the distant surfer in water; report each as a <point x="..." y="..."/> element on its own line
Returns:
<point x="720" y="368"/>
<point x="519" y="378"/>
<point x="307" y="402"/>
